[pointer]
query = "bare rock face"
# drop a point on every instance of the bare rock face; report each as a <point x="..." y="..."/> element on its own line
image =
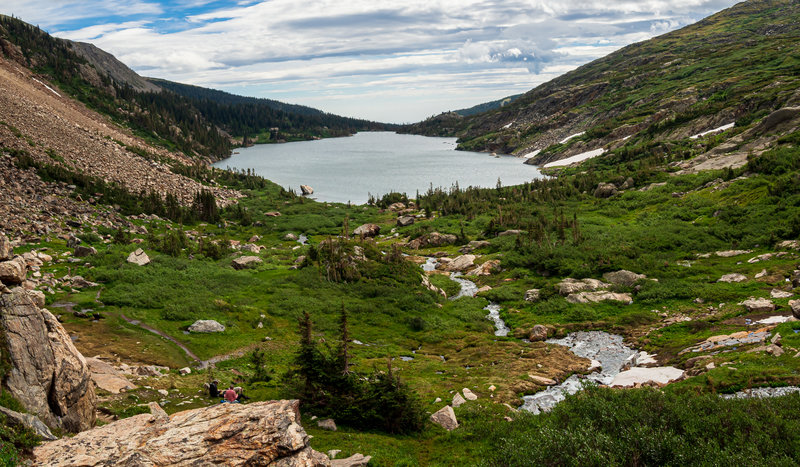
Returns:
<point x="138" y="257"/>
<point x="367" y="230"/>
<point x="107" y="377"/>
<point x="261" y="433"/>
<point x="48" y="375"/>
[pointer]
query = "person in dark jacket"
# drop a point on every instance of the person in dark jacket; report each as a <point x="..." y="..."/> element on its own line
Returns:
<point x="213" y="391"/>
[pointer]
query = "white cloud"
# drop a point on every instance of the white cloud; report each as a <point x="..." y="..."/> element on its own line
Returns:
<point x="405" y="56"/>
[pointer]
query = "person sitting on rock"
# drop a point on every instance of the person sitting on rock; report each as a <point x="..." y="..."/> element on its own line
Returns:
<point x="213" y="392"/>
<point x="230" y="395"/>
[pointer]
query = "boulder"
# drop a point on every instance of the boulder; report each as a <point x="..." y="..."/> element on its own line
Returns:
<point x="53" y="382"/>
<point x="734" y="277"/>
<point x="758" y="305"/>
<point x="532" y="295"/>
<point x="600" y="296"/>
<point x="623" y="278"/>
<point x="251" y="248"/>
<point x="605" y="190"/>
<point x="79" y="282"/>
<point x="306" y="190"/>
<point x="327" y="424"/>
<point x="272" y="214"/>
<point x="459" y="264"/>
<point x="541" y="380"/>
<point x="405" y="221"/>
<point x="507" y="233"/>
<point x="570" y="286"/>
<point x="397" y="207"/>
<point x="356" y="460"/>
<point x="367" y="230"/>
<point x="538" y="333"/>
<point x="732" y="253"/>
<point x="246" y="262"/>
<point x="469" y="395"/>
<point x="261" y="433"/>
<point x="73" y="241"/>
<point x="6" y="249"/>
<point x="84" y="251"/>
<point x="290" y="237"/>
<point x="458" y="400"/>
<point x="29" y="421"/>
<point x="474" y="245"/>
<point x="207" y="326"/>
<point x="795" y="306"/>
<point x="185" y="371"/>
<point x="433" y="239"/>
<point x="486" y="268"/>
<point x="13" y="272"/>
<point x="777" y="293"/>
<point x="658" y="375"/>
<point x="446" y="418"/>
<point x="138" y="257"/>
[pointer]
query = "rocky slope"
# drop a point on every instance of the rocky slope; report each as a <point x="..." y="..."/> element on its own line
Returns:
<point x="734" y="67"/>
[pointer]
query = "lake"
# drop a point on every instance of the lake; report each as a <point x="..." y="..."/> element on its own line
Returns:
<point x="352" y="168"/>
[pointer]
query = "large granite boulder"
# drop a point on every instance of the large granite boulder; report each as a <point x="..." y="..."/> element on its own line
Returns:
<point x="733" y="277"/>
<point x="605" y="190"/>
<point x="246" y="262"/>
<point x="367" y="230"/>
<point x="458" y="264"/>
<point x="48" y="375"/>
<point x="207" y="326"/>
<point x="14" y="271"/>
<point x="758" y="305"/>
<point x="570" y="286"/>
<point x="795" y="305"/>
<point x="599" y="296"/>
<point x="84" y="251"/>
<point x="138" y="257"/>
<point x="306" y="190"/>
<point x="405" y="221"/>
<point x="261" y="433"/>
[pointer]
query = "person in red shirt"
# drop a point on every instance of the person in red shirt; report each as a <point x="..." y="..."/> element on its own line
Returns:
<point x="230" y="395"/>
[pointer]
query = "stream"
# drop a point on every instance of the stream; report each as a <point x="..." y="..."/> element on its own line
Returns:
<point x="603" y="348"/>
<point x="469" y="289"/>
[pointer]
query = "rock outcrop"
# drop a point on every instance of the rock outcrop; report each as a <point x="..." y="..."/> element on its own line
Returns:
<point x="261" y="433"/>
<point x="48" y="375"/>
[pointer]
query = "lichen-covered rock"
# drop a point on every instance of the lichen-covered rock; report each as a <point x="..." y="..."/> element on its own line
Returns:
<point x="532" y="295"/>
<point x="623" y="278"/>
<point x="261" y="433"/>
<point x="48" y="375"/>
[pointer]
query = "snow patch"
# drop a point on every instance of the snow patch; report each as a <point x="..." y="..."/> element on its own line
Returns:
<point x="532" y="154"/>
<point x="715" y="130"/>
<point x="571" y="136"/>
<point x="576" y="158"/>
<point x="48" y="87"/>
<point x="508" y="125"/>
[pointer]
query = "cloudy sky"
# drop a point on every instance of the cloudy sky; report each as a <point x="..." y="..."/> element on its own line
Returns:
<point x="393" y="61"/>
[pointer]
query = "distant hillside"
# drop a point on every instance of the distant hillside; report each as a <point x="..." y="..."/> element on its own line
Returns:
<point x="254" y="117"/>
<point x="201" y="123"/>
<point x="734" y="67"/>
<point x="487" y="106"/>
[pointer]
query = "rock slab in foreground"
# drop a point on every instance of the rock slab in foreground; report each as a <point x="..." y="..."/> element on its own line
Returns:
<point x="261" y="433"/>
<point x="48" y="375"/>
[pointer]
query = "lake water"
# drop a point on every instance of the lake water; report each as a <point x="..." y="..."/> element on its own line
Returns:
<point x="352" y="168"/>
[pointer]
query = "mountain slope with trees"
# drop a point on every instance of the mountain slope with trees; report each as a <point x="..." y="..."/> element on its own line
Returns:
<point x="736" y="66"/>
